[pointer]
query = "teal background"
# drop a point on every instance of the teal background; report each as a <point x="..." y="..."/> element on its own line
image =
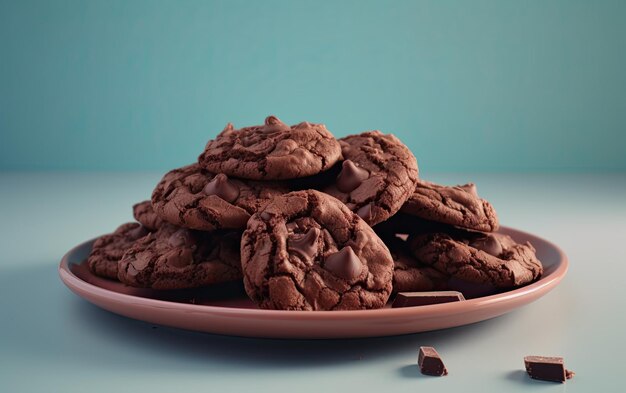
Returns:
<point x="469" y="86"/>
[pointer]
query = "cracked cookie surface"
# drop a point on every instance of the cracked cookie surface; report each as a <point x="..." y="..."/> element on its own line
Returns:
<point x="483" y="258"/>
<point x="454" y="205"/>
<point x="146" y="216"/>
<point x="107" y="250"/>
<point x="377" y="176"/>
<point x="177" y="258"/>
<point x="307" y="251"/>
<point x="273" y="151"/>
<point x="408" y="274"/>
<point x="193" y="198"/>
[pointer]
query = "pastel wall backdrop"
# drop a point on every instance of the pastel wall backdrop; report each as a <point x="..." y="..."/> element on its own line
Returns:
<point x="468" y="85"/>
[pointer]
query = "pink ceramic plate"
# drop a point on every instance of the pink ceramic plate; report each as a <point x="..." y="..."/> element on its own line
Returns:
<point x="226" y="310"/>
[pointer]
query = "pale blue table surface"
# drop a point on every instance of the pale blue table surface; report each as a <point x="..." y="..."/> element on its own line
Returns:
<point x="53" y="341"/>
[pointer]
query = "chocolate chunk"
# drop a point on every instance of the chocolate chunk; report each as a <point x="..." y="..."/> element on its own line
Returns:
<point x="471" y="188"/>
<point x="138" y="232"/>
<point x="344" y="264"/>
<point x="412" y="299"/>
<point x="351" y="176"/>
<point x="488" y="244"/>
<point x="365" y="212"/>
<point x="305" y="245"/>
<point x="547" y="368"/>
<point x="222" y="187"/>
<point x="430" y="362"/>
<point x="180" y="237"/>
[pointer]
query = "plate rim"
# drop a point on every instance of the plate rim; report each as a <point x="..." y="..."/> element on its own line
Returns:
<point x="548" y="282"/>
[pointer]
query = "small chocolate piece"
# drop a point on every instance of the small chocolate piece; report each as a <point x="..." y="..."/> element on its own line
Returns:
<point x="365" y="212"/>
<point x="344" y="264"/>
<point x="222" y="187"/>
<point x="488" y="243"/>
<point x="181" y="237"/>
<point x="351" y="176"/>
<point x="412" y="299"/>
<point x="430" y="362"/>
<point x="546" y="368"/>
<point x="305" y="244"/>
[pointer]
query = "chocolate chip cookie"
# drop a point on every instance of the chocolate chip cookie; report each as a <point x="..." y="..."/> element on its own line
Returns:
<point x="455" y="205"/>
<point x="176" y="258"/>
<point x="107" y="250"/>
<point x="273" y="151"/>
<point x="377" y="176"/>
<point x="193" y="198"/>
<point x="408" y="274"/>
<point x="144" y="213"/>
<point x="484" y="258"/>
<point x="307" y="251"/>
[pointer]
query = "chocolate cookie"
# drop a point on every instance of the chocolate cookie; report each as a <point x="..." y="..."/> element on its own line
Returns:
<point x="144" y="213"/>
<point x="492" y="258"/>
<point x="378" y="175"/>
<point x="271" y="151"/>
<point x="176" y="258"/>
<point x="455" y="205"/>
<point x="307" y="251"/>
<point x="107" y="250"/>
<point x="408" y="274"/>
<point x="193" y="198"/>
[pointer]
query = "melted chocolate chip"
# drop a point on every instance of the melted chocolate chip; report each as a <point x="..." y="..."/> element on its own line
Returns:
<point x="304" y="124"/>
<point x="305" y="245"/>
<point x="265" y="216"/>
<point x="273" y="123"/>
<point x="488" y="244"/>
<point x="351" y="176"/>
<point x="344" y="264"/>
<point x="470" y="187"/>
<point x="181" y="237"/>
<point x="365" y="212"/>
<point x="138" y="232"/>
<point x="222" y="187"/>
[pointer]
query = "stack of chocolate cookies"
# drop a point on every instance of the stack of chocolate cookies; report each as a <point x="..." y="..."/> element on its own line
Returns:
<point x="311" y="222"/>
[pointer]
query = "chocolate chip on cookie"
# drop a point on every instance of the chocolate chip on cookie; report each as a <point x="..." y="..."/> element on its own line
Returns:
<point x="455" y="205"/>
<point x="484" y="258"/>
<point x="144" y="213"/>
<point x="307" y="251"/>
<point x="273" y="151"/>
<point x="193" y="198"/>
<point x="177" y="258"/>
<point x="377" y="176"/>
<point x="107" y="250"/>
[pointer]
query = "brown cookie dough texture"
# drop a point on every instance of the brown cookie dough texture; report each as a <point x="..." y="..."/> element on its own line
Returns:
<point x="408" y="274"/>
<point x="193" y="198"/>
<point x="107" y="250"/>
<point x="272" y="151"/>
<point x="144" y="213"/>
<point x="307" y="251"/>
<point x="378" y="175"/>
<point x="176" y="258"/>
<point x="455" y="205"/>
<point x="491" y="258"/>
